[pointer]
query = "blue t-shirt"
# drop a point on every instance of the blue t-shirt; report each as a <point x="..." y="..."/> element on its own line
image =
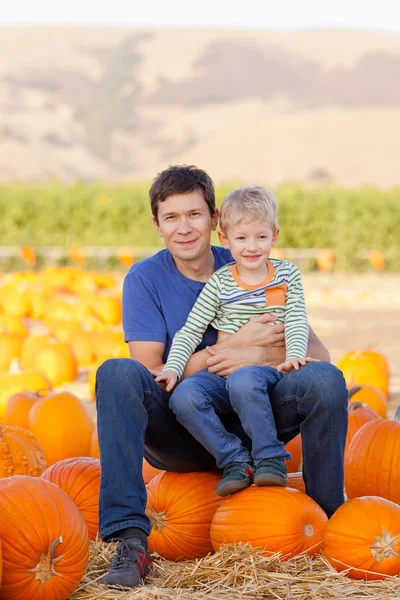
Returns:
<point x="157" y="299"/>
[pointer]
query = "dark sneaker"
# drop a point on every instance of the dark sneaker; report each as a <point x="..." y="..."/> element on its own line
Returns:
<point x="236" y="476"/>
<point x="271" y="471"/>
<point x="130" y="565"/>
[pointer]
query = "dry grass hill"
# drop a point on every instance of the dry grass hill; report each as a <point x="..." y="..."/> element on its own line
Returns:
<point x="115" y="103"/>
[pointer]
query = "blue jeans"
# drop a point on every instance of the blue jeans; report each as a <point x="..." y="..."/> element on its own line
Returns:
<point x="195" y="407"/>
<point x="134" y="420"/>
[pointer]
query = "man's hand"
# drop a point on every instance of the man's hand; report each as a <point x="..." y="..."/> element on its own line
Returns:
<point x="260" y="331"/>
<point x="170" y="377"/>
<point x="294" y="363"/>
<point x="224" y="362"/>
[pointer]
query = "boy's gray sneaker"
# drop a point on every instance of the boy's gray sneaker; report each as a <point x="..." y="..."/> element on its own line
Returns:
<point x="271" y="471"/>
<point x="130" y="565"/>
<point x="236" y="476"/>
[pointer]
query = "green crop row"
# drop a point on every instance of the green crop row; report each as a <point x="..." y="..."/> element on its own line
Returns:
<point x="97" y="214"/>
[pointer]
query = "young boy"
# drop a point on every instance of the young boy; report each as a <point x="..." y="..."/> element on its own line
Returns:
<point x="253" y="284"/>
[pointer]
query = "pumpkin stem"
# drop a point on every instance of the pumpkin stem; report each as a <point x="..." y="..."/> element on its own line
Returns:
<point x="383" y="547"/>
<point x="397" y="414"/>
<point x="44" y="570"/>
<point x="158" y="520"/>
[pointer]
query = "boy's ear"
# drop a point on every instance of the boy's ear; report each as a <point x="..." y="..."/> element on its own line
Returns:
<point x="223" y="239"/>
<point x="275" y="237"/>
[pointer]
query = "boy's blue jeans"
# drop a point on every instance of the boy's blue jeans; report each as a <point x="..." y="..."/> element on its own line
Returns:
<point x="200" y="411"/>
<point x="134" y="420"/>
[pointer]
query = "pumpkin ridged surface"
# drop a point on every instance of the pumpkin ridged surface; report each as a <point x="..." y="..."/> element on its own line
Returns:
<point x="365" y="533"/>
<point x="180" y="507"/>
<point x="359" y="415"/>
<point x="274" y="519"/>
<point x="80" y="479"/>
<point x="20" y="453"/>
<point x="54" y="522"/>
<point x="372" y="461"/>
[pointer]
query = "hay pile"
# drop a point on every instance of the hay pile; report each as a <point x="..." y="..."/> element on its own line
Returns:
<point x="235" y="572"/>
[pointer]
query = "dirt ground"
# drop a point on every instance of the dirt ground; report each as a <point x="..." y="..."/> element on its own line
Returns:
<point x="357" y="312"/>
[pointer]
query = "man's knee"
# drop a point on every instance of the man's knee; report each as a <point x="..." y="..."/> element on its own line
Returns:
<point x="121" y="371"/>
<point x="327" y="386"/>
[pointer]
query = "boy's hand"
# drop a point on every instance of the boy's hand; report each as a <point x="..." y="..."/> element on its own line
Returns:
<point x="294" y="363"/>
<point x="169" y="377"/>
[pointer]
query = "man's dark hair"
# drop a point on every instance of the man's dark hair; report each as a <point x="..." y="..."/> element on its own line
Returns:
<point x="181" y="179"/>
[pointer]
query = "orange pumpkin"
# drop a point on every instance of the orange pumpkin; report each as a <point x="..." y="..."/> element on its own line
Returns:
<point x="372" y="461"/>
<point x="26" y="381"/>
<point x="378" y="358"/>
<point x="359" y="414"/>
<point x="274" y="519"/>
<point x="149" y="472"/>
<point x="108" y="309"/>
<point x="18" y="407"/>
<point x="364" y="534"/>
<point x="370" y="396"/>
<point x="62" y="426"/>
<point x="57" y="361"/>
<point x="83" y="347"/>
<point x="295" y="449"/>
<point x="10" y="349"/>
<point x="94" y="446"/>
<point x="30" y="348"/>
<point x="296" y="481"/>
<point x="359" y="369"/>
<point x="80" y="479"/>
<point x="45" y="542"/>
<point x="180" y="507"/>
<point x="20" y="453"/>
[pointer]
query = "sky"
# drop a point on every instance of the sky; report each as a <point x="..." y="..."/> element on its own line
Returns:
<point x="383" y="15"/>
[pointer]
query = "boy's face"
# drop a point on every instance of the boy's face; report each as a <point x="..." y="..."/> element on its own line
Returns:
<point x="185" y="223"/>
<point x="250" y="243"/>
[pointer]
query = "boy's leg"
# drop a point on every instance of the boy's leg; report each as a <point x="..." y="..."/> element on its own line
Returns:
<point x="133" y="411"/>
<point x="314" y="401"/>
<point x="248" y="390"/>
<point x="199" y="403"/>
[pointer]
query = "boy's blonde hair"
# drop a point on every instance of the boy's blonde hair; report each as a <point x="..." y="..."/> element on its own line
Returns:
<point x="248" y="203"/>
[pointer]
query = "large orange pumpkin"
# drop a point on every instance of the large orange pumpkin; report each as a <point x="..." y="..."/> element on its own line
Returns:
<point x="180" y="507"/>
<point x="360" y="369"/>
<point x="149" y="472"/>
<point x="364" y="534"/>
<point x="45" y="542"/>
<point x="80" y="479"/>
<point x="18" y="407"/>
<point x="62" y="426"/>
<point x="26" y="381"/>
<point x="295" y="449"/>
<point x="274" y="519"/>
<point x="372" y="461"/>
<point x="20" y="453"/>
<point x="370" y="396"/>
<point x="359" y="415"/>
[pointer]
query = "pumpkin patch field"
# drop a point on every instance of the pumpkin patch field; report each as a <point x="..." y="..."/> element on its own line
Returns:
<point x="57" y="325"/>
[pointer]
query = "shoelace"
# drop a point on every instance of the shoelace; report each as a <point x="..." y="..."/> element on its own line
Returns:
<point x="123" y="557"/>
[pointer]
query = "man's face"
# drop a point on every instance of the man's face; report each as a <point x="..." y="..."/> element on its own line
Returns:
<point x="185" y="223"/>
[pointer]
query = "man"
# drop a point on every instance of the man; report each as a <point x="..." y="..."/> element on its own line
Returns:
<point x="134" y="419"/>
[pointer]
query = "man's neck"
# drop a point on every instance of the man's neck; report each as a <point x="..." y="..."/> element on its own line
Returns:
<point x="199" y="269"/>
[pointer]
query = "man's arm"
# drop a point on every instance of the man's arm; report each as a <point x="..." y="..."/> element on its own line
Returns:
<point x="316" y="348"/>
<point x="150" y="354"/>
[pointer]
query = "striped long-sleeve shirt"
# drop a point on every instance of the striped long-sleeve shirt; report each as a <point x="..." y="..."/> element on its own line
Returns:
<point x="227" y="303"/>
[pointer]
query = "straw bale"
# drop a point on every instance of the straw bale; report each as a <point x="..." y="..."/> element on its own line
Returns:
<point x="235" y="573"/>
